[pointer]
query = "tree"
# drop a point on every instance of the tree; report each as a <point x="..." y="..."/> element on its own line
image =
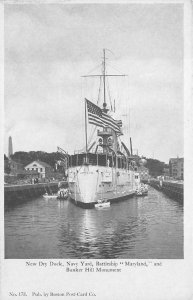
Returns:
<point x="155" y="167"/>
<point x="27" y="157"/>
<point x="7" y="168"/>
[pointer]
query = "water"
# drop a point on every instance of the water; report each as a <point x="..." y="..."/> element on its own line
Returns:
<point x="144" y="227"/>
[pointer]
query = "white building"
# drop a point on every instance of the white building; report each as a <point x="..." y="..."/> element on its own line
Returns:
<point x="41" y="167"/>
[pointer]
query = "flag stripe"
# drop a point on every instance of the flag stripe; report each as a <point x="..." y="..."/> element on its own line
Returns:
<point x="96" y="119"/>
<point x="96" y="122"/>
<point x="119" y="123"/>
<point x="110" y="121"/>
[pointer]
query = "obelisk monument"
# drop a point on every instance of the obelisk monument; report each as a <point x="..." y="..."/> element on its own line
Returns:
<point x="10" y="147"/>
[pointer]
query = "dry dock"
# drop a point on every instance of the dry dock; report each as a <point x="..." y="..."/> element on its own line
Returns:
<point x="174" y="189"/>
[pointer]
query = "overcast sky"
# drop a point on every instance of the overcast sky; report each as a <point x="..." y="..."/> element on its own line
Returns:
<point x="48" y="48"/>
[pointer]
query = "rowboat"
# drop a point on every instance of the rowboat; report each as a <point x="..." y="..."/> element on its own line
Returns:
<point x="102" y="204"/>
<point x="47" y="196"/>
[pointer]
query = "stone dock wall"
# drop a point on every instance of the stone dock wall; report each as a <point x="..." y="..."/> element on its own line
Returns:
<point x="24" y="192"/>
<point x="173" y="189"/>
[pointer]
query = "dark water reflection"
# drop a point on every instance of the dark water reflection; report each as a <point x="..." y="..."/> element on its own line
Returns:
<point x="150" y="227"/>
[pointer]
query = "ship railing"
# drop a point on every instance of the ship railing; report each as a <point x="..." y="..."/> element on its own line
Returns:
<point x="102" y="159"/>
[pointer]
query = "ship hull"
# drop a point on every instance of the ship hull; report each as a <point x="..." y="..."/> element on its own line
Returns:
<point x="88" y="184"/>
<point x="92" y="204"/>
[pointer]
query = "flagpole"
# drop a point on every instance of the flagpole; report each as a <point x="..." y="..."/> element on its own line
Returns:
<point x="86" y="127"/>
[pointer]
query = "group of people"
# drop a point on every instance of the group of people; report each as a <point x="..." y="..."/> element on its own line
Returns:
<point x="63" y="193"/>
<point x="34" y="180"/>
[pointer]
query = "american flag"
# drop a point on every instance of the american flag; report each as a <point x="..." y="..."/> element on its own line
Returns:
<point x="97" y="117"/>
<point x="119" y="123"/>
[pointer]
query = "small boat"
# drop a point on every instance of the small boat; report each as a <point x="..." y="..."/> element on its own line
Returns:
<point x="139" y="193"/>
<point x="63" y="193"/>
<point x="145" y="192"/>
<point x="142" y="190"/>
<point x="50" y="196"/>
<point x="102" y="203"/>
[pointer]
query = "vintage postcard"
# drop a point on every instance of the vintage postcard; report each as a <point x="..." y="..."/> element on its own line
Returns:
<point x="97" y="155"/>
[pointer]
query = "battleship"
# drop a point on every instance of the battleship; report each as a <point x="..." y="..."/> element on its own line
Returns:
<point x="105" y="171"/>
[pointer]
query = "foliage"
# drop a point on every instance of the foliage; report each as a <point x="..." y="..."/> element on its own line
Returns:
<point x="155" y="167"/>
<point x="27" y="157"/>
<point x="7" y="168"/>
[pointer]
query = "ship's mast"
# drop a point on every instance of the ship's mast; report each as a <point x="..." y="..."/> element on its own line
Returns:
<point x="104" y="83"/>
<point x="104" y="75"/>
<point x="104" y="134"/>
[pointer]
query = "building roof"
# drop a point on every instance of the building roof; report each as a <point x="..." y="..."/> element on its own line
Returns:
<point x="176" y="159"/>
<point x="42" y="163"/>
